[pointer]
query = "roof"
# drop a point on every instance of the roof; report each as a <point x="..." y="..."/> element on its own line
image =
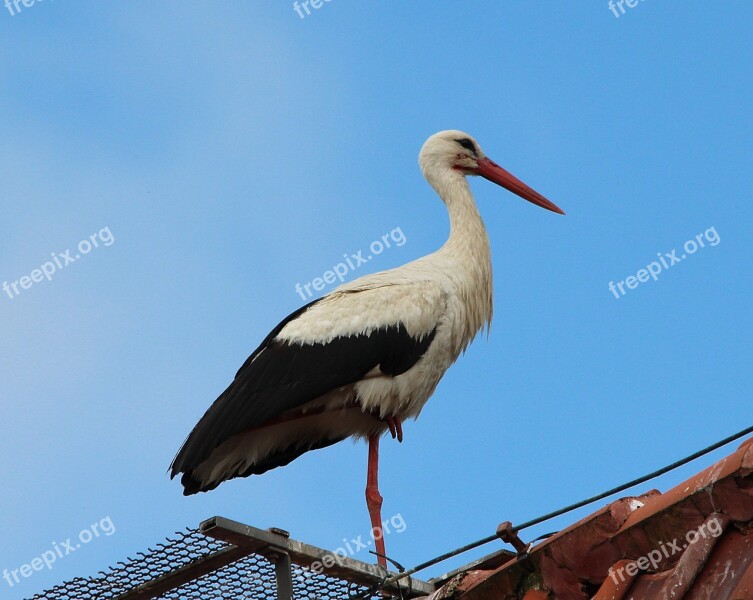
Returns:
<point x="694" y="541"/>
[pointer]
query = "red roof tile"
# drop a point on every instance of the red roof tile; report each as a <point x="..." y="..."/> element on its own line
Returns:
<point x="692" y="542"/>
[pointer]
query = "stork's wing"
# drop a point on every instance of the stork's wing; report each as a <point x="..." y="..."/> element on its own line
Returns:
<point x="323" y="346"/>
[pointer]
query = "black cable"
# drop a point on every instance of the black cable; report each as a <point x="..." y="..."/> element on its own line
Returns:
<point x="571" y="507"/>
<point x="635" y="482"/>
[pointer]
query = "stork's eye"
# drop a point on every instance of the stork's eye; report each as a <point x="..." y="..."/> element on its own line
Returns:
<point x="468" y="145"/>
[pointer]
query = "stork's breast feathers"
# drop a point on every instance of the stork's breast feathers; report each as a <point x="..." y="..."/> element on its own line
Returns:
<point x="419" y="306"/>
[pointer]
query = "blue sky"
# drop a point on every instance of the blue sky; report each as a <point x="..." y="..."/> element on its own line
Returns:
<point x="233" y="149"/>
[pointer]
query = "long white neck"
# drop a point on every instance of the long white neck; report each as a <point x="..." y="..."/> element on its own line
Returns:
<point x="467" y="253"/>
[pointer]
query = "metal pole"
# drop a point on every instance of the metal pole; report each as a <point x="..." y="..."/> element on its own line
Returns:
<point x="283" y="575"/>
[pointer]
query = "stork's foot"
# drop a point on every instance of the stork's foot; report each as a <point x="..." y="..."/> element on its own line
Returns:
<point x="396" y="428"/>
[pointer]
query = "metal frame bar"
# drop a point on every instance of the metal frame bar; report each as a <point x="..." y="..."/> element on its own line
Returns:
<point x="270" y="544"/>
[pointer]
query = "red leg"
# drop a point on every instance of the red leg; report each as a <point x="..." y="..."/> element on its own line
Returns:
<point x="374" y="499"/>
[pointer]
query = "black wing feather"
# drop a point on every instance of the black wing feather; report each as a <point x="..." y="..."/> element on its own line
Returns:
<point x="280" y="376"/>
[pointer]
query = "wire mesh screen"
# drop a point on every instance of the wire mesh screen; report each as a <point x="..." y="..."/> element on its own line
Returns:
<point x="250" y="577"/>
<point x="254" y="577"/>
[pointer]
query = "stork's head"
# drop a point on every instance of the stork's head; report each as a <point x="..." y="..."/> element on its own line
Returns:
<point x="449" y="154"/>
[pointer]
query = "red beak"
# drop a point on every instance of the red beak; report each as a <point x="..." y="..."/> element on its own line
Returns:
<point x="490" y="170"/>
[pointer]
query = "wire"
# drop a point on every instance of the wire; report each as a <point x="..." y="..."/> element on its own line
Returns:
<point x="570" y="508"/>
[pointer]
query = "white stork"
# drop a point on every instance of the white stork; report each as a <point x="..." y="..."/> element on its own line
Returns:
<point x="367" y="356"/>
